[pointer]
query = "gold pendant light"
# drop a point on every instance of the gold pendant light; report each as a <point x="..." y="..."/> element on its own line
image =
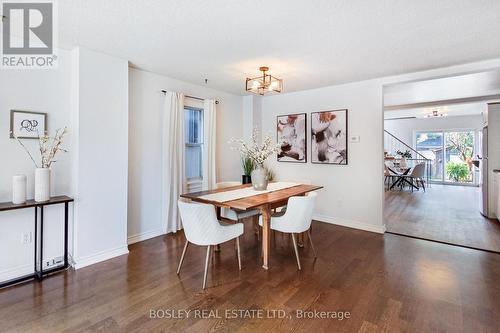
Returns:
<point x="264" y="84"/>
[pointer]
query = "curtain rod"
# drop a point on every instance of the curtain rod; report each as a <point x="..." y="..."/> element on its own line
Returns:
<point x="193" y="97"/>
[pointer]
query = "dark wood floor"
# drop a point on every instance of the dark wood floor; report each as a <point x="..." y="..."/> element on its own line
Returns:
<point x="387" y="283"/>
<point x="444" y="213"/>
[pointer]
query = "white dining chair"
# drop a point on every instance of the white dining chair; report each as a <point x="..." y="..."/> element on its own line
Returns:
<point x="416" y="176"/>
<point x="202" y="228"/>
<point x="234" y="215"/>
<point x="282" y="209"/>
<point x="296" y="219"/>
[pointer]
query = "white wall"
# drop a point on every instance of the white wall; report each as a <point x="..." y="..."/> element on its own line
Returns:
<point x="346" y="188"/>
<point x="493" y="152"/>
<point x="100" y="179"/>
<point x="146" y="102"/>
<point x="405" y="129"/>
<point x="252" y="109"/>
<point x="42" y="91"/>
<point x="88" y="92"/>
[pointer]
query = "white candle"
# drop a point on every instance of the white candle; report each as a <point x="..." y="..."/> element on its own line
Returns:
<point x="18" y="189"/>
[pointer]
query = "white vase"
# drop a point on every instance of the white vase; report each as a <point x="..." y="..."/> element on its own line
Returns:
<point x="18" y="189"/>
<point x="259" y="178"/>
<point x="402" y="163"/>
<point x="42" y="184"/>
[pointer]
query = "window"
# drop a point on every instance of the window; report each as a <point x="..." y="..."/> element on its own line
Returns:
<point x="430" y="145"/>
<point x="193" y="120"/>
<point x="451" y="153"/>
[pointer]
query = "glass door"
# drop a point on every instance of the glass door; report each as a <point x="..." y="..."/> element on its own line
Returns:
<point x="458" y="159"/>
<point x="430" y="145"/>
<point x="450" y="153"/>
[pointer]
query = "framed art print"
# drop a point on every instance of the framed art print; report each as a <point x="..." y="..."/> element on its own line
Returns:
<point x="291" y="131"/>
<point x="329" y="137"/>
<point x="27" y="124"/>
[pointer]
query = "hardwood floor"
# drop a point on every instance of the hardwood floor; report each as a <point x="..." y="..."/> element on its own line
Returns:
<point x="444" y="213"/>
<point x="387" y="283"/>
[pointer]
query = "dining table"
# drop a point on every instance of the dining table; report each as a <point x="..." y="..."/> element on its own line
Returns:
<point x="400" y="173"/>
<point x="244" y="197"/>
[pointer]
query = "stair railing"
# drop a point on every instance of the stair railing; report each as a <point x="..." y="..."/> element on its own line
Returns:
<point x="392" y="143"/>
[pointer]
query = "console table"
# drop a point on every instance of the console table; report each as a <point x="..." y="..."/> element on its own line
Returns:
<point x="38" y="245"/>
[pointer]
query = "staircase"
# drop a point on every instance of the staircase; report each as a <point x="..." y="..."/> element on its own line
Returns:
<point x="392" y="144"/>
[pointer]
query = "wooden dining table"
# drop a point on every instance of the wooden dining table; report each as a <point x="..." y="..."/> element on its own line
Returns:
<point x="265" y="202"/>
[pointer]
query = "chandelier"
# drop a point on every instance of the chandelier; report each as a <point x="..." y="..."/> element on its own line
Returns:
<point x="264" y="84"/>
<point x="436" y="112"/>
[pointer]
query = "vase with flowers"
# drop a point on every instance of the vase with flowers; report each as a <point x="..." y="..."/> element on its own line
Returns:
<point x="257" y="152"/>
<point x="404" y="155"/>
<point x="49" y="147"/>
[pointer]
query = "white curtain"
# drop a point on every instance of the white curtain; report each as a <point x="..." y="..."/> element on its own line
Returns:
<point x="174" y="183"/>
<point x="209" y="126"/>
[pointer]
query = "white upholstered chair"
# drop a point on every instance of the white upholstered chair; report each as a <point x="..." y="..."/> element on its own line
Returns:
<point x="201" y="227"/>
<point x="231" y="214"/>
<point x="296" y="219"/>
<point x="281" y="210"/>
<point x="416" y="176"/>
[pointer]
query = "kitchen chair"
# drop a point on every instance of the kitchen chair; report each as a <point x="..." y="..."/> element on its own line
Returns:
<point x="416" y="176"/>
<point x="296" y="219"/>
<point x="389" y="175"/>
<point x="202" y="228"/>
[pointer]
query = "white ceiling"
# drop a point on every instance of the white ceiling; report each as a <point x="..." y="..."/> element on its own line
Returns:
<point x="454" y="110"/>
<point x="472" y="85"/>
<point x="307" y="43"/>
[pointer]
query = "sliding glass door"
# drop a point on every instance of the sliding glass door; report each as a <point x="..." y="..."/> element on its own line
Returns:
<point x="450" y="153"/>
<point x="430" y="145"/>
<point x="459" y="152"/>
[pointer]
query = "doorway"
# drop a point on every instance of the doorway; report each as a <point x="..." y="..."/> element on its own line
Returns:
<point x="445" y="136"/>
<point x="451" y="154"/>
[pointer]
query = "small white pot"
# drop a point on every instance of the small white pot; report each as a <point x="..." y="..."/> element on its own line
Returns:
<point x="42" y="184"/>
<point x="18" y="189"/>
<point x="402" y="162"/>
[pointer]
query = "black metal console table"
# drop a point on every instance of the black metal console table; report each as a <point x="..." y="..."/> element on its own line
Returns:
<point x="38" y="255"/>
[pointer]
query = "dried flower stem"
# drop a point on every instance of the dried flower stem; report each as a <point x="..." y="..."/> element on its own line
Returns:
<point x="48" y="147"/>
<point x="25" y="149"/>
<point x="255" y="151"/>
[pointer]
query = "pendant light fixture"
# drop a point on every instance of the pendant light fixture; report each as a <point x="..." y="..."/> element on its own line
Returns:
<point x="437" y="112"/>
<point x="264" y="84"/>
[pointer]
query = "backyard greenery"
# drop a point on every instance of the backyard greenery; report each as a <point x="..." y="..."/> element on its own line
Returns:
<point x="457" y="172"/>
<point x="462" y="143"/>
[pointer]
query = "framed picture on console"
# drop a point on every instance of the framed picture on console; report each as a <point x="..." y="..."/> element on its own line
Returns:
<point x="27" y="124"/>
<point x="329" y="137"/>
<point x="292" y="134"/>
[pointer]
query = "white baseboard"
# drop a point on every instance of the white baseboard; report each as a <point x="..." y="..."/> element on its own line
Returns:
<point x="101" y="256"/>
<point x="144" y="235"/>
<point x="380" y="229"/>
<point x="16" y="272"/>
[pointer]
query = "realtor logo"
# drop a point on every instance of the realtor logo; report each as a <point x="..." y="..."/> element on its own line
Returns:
<point x="28" y="31"/>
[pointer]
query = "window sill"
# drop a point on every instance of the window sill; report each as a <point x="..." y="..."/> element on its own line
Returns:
<point x="194" y="185"/>
<point x="194" y="181"/>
